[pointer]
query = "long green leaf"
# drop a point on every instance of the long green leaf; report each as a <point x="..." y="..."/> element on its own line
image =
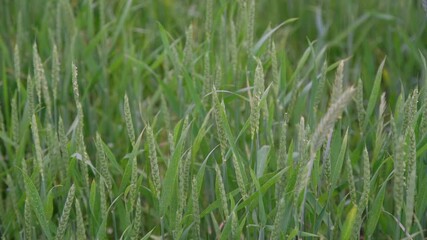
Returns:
<point x="36" y="204"/>
<point x="374" y="94"/>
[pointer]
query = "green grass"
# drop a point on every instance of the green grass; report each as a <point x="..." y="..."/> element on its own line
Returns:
<point x="244" y="120"/>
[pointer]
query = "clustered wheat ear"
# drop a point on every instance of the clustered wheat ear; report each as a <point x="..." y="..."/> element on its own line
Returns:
<point x="102" y="162"/>
<point x="28" y="226"/>
<point x="207" y="83"/>
<point x="184" y="176"/>
<point x="321" y="85"/>
<point x="281" y="208"/>
<point x="30" y="97"/>
<point x="239" y="177"/>
<point x="221" y="191"/>
<point x="152" y="154"/>
<point x="410" y="111"/>
<point x="37" y="73"/>
<point x="62" y="226"/>
<point x="256" y="99"/>
<point x="189" y="45"/>
<point x="55" y="72"/>
<point x="133" y="181"/>
<point x="196" y="210"/>
<point x="80" y="229"/>
<point x="274" y="69"/>
<point x="208" y="20"/>
<point x="328" y="121"/>
<point x="41" y="82"/>
<point x="327" y="160"/>
<point x="15" y="119"/>
<point x="359" y="103"/>
<point x="410" y="178"/>
<point x="323" y="128"/>
<point x="250" y="22"/>
<point x="219" y="123"/>
<point x="17" y="66"/>
<point x="351" y="183"/>
<point x="128" y="120"/>
<point x="337" y="86"/>
<point x="364" y="198"/>
<point x="39" y="154"/>
<point x="234" y="49"/>
<point x="137" y="223"/>
<point x="399" y="170"/>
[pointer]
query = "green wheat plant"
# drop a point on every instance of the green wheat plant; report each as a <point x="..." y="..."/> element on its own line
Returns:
<point x="213" y="119"/>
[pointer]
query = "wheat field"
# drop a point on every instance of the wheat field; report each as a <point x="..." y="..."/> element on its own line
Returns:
<point x="213" y="119"/>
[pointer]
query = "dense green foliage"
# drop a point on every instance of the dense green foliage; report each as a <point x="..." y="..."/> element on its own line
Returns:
<point x="213" y="119"/>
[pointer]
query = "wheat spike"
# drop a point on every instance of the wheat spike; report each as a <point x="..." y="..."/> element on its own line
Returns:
<point x="30" y="96"/>
<point x="233" y="49"/>
<point x="256" y="99"/>
<point x="221" y="191"/>
<point x="281" y="208"/>
<point x="219" y="123"/>
<point x="196" y="211"/>
<point x="53" y="146"/>
<point x="28" y="225"/>
<point x="359" y="103"/>
<point x="364" y="198"/>
<point x="103" y="197"/>
<point x="37" y="77"/>
<point x="103" y="164"/>
<point x="337" y="86"/>
<point x="63" y="147"/>
<point x="411" y="178"/>
<point x="137" y="223"/>
<point x="184" y="172"/>
<point x="302" y="142"/>
<point x="250" y="23"/>
<point x="207" y="83"/>
<point x="80" y="229"/>
<point x="323" y="128"/>
<point x="75" y="83"/>
<point x="63" y="222"/>
<point x="410" y="111"/>
<point x="133" y="181"/>
<point x="321" y="86"/>
<point x="331" y="116"/>
<point x="15" y="120"/>
<point x="17" y="66"/>
<point x="41" y="82"/>
<point x="327" y="159"/>
<point x="239" y="178"/>
<point x="39" y="153"/>
<point x="399" y="170"/>
<point x="189" y="45"/>
<point x="274" y="69"/>
<point x="208" y="20"/>
<point x="351" y="183"/>
<point x="56" y="65"/>
<point x="128" y="120"/>
<point x="155" y="173"/>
